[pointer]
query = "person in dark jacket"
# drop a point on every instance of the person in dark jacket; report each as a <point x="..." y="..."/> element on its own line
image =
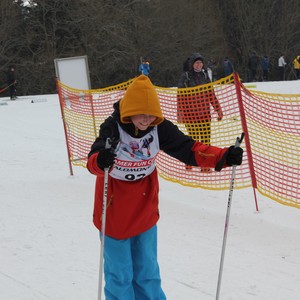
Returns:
<point x="138" y="131"/>
<point x="228" y="66"/>
<point x="11" y="83"/>
<point x="253" y="64"/>
<point x="193" y="109"/>
<point x="265" y="66"/>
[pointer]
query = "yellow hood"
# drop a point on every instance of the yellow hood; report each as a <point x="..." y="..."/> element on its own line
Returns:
<point x="140" y="99"/>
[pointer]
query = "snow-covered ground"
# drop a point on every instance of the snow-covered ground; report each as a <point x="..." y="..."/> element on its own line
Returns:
<point x="276" y="87"/>
<point x="49" y="248"/>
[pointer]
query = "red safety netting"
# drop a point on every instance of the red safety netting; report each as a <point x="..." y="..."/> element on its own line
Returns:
<point x="271" y="124"/>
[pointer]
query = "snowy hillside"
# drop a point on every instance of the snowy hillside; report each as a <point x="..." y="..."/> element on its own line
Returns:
<point x="49" y="248"/>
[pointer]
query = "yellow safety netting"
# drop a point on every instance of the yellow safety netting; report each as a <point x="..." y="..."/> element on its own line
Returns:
<point x="271" y="123"/>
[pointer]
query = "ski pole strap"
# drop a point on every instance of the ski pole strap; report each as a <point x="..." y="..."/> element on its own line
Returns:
<point x="108" y="143"/>
<point x="222" y="161"/>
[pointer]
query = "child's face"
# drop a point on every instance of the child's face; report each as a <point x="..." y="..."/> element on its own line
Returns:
<point x="142" y="122"/>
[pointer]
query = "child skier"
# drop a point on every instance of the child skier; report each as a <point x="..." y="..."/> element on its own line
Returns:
<point x="139" y="132"/>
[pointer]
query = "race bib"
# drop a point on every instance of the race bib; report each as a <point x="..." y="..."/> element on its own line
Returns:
<point x="135" y="156"/>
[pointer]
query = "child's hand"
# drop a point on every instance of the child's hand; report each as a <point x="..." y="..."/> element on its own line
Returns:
<point x="105" y="158"/>
<point x="234" y="156"/>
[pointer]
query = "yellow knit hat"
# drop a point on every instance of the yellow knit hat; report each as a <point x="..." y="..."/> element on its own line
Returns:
<point x="140" y="99"/>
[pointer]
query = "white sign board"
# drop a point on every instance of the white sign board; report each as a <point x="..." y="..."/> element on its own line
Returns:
<point x="73" y="72"/>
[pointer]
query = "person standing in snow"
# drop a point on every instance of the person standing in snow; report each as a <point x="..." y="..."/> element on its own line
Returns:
<point x="253" y="63"/>
<point x="131" y="269"/>
<point x="11" y="82"/>
<point x="265" y="66"/>
<point x="296" y="66"/>
<point x="228" y="66"/>
<point x="281" y="67"/>
<point x="194" y="110"/>
<point x="144" y="68"/>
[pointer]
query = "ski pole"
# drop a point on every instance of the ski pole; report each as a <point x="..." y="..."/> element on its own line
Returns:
<point x="5" y="88"/>
<point x="237" y="144"/>
<point x="105" y="190"/>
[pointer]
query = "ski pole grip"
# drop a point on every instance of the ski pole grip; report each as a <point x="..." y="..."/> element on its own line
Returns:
<point x="221" y="163"/>
<point x="239" y="140"/>
<point x="108" y="143"/>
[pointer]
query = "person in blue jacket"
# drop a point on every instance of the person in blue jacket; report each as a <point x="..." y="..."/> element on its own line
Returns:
<point x="144" y="68"/>
<point x="265" y="65"/>
<point x="228" y="66"/>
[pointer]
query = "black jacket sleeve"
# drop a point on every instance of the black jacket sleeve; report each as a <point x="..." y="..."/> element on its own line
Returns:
<point x="175" y="143"/>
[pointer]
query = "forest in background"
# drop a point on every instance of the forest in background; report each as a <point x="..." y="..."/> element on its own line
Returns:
<point x="116" y="34"/>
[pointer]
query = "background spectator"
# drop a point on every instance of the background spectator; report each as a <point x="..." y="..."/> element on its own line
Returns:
<point x="144" y="68"/>
<point x="265" y="65"/>
<point x="252" y="67"/>
<point x="228" y="66"/>
<point x="194" y="110"/>
<point x="11" y="82"/>
<point x="296" y="65"/>
<point x="281" y="67"/>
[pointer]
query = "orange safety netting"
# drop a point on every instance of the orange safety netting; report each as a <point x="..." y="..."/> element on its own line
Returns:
<point x="271" y="124"/>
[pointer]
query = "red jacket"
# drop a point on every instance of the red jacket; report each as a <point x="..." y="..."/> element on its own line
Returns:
<point x="132" y="207"/>
<point x="196" y="108"/>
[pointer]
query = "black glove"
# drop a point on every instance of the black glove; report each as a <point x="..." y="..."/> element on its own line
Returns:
<point x="105" y="158"/>
<point x="234" y="156"/>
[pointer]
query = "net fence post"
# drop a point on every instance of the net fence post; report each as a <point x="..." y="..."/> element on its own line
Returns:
<point x="60" y="97"/>
<point x="237" y="84"/>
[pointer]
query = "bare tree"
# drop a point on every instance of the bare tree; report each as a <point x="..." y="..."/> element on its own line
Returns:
<point x="115" y="34"/>
<point x="266" y="27"/>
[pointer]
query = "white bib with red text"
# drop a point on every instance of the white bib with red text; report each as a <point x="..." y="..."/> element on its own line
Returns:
<point x="135" y="156"/>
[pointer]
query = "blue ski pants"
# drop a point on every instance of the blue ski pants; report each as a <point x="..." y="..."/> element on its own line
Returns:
<point x="131" y="270"/>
